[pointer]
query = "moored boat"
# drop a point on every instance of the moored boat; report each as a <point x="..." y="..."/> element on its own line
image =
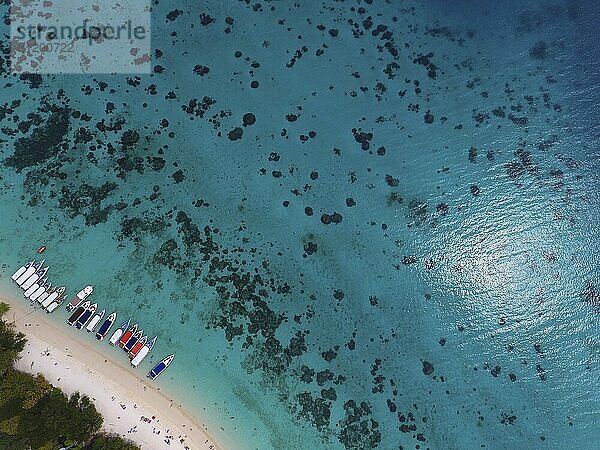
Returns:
<point x="160" y="367"/>
<point x="119" y="332"/>
<point x="95" y="320"/>
<point x="45" y="295"/>
<point x="55" y="304"/>
<point x="132" y="340"/>
<point x="41" y="273"/>
<point x="143" y="352"/>
<point x="108" y="323"/>
<point x="53" y="296"/>
<point x="127" y="335"/>
<point x="41" y="289"/>
<point x="87" y="314"/>
<point x="35" y="286"/>
<point x="78" y="312"/>
<point x="137" y="347"/>
<point x="15" y="276"/>
<point x="78" y="299"/>
<point x="33" y="268"/>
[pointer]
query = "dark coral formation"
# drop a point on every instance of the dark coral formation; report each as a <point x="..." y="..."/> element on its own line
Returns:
<point x="44" y="142"/>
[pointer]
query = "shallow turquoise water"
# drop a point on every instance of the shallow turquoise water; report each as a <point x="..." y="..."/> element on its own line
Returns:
<point x="293" y="333"/>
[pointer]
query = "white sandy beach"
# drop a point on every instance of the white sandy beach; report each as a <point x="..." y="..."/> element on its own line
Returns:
<point x="121" y="395"/>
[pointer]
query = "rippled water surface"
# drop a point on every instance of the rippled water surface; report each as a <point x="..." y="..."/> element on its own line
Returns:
<point x="400" y="251"/>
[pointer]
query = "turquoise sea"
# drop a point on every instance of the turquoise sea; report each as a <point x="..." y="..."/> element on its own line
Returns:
<point x="390" y="240"/>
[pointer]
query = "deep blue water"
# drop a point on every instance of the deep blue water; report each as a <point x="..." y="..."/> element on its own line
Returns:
<point x="401" y="251"/>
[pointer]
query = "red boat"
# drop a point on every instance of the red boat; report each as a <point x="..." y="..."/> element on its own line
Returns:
<point x="41" y="249"/>
<point x="127" y="335"/>
<point x="137" y="347"/>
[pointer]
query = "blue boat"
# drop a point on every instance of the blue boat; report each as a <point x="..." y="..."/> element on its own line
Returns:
<point x="78" y="312"/>
<point x="86" y="316"/>
<point x="103" y="331"/>
<point x="132" y="341"/>
<point x="160" y="367"/>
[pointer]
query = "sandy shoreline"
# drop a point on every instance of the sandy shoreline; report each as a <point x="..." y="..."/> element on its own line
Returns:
<point x="121" y="395"/>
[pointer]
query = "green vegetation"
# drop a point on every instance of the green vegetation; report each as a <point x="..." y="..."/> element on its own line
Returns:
<point x="36" y="415"/>
<point x="109" y="442"/>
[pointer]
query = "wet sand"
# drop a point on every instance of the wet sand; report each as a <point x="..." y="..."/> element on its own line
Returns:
<point x="131" y="406"/>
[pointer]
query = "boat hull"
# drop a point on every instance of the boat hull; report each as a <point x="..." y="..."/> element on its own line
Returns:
<point x="76" y="315"/>
<point x="79" y="298"/>
<point x="51" y="307"/>
<point x="115" y="337"/>
<point x="105" y="327"/>
<point x="83" y="319"/>
<point x="74" y="303"/>
<point x="93" y="323"/>
<point x="41" y="299"/>
<point x="131" y="342"/>
<point x="34" y="279"/>
<point x="137" y="347"/>
<point x="15" y="276"/>
<point x="33" y="289"/>
<point x="50" y="299"/>
<point x="140" y="356"/>
<point x="25" y="275"/>
<point x="38" y="293"/>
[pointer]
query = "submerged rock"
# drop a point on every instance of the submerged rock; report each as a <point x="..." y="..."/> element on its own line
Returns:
<point x="331" y="218"/>
<point x="235" y="134"/>
<point x="249" y="119"/>
<point x="427" y="368"/>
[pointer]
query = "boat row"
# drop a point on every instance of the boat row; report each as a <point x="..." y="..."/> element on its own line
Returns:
<point x="31" y="277"/>
<point x="129" y="338"/>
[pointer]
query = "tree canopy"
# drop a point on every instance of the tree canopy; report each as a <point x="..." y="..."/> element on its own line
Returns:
<point x="35" y="414"/>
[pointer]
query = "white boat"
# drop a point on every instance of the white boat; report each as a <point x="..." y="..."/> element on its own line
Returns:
<point x="41" y="283"/>
<point x="80" y="298"/>
<point x="52" y="297"/>
<point x="55" y="304"/>
<point x="119" y="332"/>
<point x="29" y="271"/>
<point x="94" y="322"/>
<point x="41" y="273"/>
<point x="41" y="289"/>
<point x="143" y="352"/>
<point x="45" y="295"/>
<point x="22" y="270"/>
